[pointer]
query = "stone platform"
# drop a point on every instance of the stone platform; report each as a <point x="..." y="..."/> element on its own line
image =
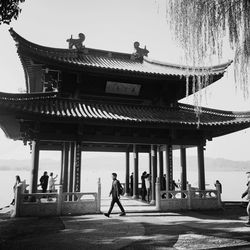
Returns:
<point x="222" y="229"/>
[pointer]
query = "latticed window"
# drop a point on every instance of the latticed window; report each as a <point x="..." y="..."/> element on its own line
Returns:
<point x="51" y="80"/>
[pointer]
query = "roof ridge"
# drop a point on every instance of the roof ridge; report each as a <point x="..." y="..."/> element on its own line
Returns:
<point x="17" y="38"/>
<point x="110" y="53"/>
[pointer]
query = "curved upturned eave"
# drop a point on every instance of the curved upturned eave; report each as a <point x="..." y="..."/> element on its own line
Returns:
<point x="121" y="62"/>
<point x="53" y="108"/>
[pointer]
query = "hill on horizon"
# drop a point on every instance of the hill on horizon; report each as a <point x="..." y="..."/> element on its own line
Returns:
<point x="111" y="163"/>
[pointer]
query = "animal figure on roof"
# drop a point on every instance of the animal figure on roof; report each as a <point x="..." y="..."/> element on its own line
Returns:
<point x="77" y="43"/>
<point x="139" y="52"/>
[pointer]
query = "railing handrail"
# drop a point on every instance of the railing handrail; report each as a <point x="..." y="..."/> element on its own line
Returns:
<point x="174" y="191"/>
<point x="80" y="193"/>
<point x="39" y="194"/>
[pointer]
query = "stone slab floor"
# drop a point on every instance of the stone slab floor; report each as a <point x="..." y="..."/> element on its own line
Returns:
<point x="222" y="229"/>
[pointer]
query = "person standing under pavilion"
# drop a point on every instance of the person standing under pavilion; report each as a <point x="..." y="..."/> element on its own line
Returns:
<point x="247" y="193"/>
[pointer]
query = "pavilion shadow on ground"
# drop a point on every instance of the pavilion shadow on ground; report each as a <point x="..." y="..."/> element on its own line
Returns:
<point x="135" y="231"/>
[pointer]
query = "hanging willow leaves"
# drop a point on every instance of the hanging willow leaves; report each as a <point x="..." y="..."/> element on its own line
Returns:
<point x="9" y="9"/>
<point x="204" y="27"/>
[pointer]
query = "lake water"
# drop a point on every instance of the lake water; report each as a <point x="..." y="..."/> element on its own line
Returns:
<point x="233" y="183"/>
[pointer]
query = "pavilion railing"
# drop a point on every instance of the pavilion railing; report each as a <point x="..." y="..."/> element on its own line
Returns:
<point x="57" y="203"/>
<point x="187" y="199"/>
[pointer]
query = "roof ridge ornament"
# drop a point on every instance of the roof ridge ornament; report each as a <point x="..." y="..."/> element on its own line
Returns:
<point x="139" y="52"/>
<point x="77" y="43"/>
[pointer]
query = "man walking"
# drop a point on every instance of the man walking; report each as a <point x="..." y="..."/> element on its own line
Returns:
<point x="44" y="182"/>
<point x="247" y="192"/>
<point x="115" y="192"/>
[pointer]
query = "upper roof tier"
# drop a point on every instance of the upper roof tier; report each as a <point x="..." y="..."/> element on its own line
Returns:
<point x="83" y="71"/>
<point x="88" y="57"/>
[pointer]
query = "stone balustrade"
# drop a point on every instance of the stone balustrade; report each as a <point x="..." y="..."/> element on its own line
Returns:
<point x="56" y="204"/>
<point x="187" y="199"/>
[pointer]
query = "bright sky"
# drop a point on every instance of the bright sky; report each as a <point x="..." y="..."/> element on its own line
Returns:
<point x="111" y="25"/>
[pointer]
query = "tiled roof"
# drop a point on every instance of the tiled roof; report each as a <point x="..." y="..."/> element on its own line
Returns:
<point x="94" y="58"/>
<point x="51" y="105"/>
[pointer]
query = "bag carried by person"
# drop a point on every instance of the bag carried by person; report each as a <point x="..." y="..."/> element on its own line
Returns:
<point x="121" y="190"/>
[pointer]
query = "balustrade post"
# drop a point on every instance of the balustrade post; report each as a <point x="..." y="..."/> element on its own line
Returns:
<point x="218" y="188"/>
<point x="158" y="194"/>
<point x="189" y="196"/>
<point x="99" y="196"/>
<point x="59" y="200"/>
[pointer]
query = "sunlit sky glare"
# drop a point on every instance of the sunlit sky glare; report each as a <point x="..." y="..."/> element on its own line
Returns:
<point x="112" y="25"/>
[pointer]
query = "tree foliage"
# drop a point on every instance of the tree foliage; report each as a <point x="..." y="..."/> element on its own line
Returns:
<point x="203" y="27"/>
<point x="9" y="9"/>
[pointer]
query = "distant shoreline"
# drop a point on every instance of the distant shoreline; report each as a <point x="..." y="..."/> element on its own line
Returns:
<point x="109" y="163"/>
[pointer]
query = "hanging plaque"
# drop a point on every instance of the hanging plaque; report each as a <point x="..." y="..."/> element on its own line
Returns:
<point x="122" y="88"/>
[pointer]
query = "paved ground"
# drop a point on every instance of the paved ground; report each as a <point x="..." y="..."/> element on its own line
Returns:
<point x="129" y="204"/>
<point x="150" y="230"/>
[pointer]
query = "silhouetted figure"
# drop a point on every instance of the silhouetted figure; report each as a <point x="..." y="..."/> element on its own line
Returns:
<point x="173" y="185"/>
<point x="143" y="186"/>
<point x="147" y="184"/>
<point x="44" y="182"/>
<point x="115" y="191"/>
<point x="52" y="181"/>
<point x="217" y="183"/>
<point x="247" y="193"/>
<point x="131" y="183"/>
<point x="18" y="181"/>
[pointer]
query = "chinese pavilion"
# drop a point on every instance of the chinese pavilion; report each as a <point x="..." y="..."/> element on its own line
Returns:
<point x="85" y="99"/>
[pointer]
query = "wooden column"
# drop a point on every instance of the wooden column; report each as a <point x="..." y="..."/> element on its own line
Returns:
<point x="35" y="166"/>
<point x="127" y="173"/>
<point x="183" y="168"/>
<point x="160" y="162"/>
<point x="201" y="169"/>
<point x="169" y="167"/>
<point x="71" y="167"/>
<point x="153" y="171"/>
<point x="77" y="167"/>
<point x="61" y="175"/>
<point x="150" y="167"/>
<point x="135" y="184"/>
<point x="65" y="162"/>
